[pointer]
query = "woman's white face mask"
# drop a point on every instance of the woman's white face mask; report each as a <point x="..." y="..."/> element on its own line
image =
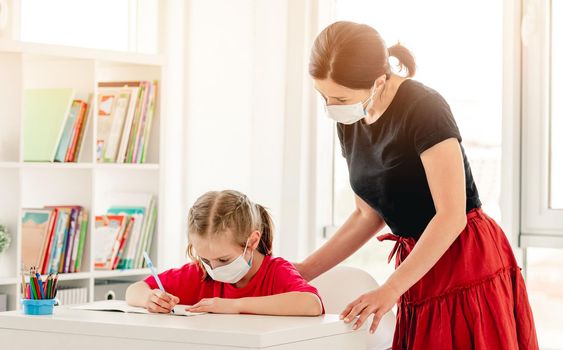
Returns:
<point x="232" y="272"/>
<point x="349" y="114"/>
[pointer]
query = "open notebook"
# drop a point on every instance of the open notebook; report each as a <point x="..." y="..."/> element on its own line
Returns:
<point x="121" y="305"/>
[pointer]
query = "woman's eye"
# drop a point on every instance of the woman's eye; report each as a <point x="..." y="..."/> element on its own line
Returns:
<point x="340" y="100"/>
<point x="223" y="260"/>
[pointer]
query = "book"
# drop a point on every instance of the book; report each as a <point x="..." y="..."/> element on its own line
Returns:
<point x="53" y="238"/>
<point x="85" y="124"/>
<point x="108" y="229"/>
<point x="122" y="306"/>
<point x="106" y="107"/>
<point x="66" y="137"/>
<point x="45" y="112"/>
<point x="77" y="133"/>
<point x="138" y="216"/>
<point x="151" y="227"/>
<point x="136" y="120"/>
<point x="136" y="201"/>
<point x="59" y="235"/>
<point x="115" y="87"/>
<point x="147" y="132"/>
<point x="109" y="154"/>
<point x="126" y="141"/>
<point x="35" y="231"/>
<point x="128" y="229"/>
<point x="49" y="242"/>
<point x="83" y="231"/>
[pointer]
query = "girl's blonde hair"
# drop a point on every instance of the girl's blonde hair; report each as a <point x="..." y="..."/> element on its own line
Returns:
<point x="217" y="212"/>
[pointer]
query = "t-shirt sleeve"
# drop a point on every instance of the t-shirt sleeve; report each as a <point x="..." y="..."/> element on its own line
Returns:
<point x="432" y="122"/>
<point x="287" y="279"/>
<point x="176" y="281"/>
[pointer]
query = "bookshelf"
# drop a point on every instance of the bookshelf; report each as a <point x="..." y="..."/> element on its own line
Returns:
<point x="86" y="182"/>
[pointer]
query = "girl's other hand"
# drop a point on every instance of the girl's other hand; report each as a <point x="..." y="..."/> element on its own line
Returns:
<point x="216" y="305"/>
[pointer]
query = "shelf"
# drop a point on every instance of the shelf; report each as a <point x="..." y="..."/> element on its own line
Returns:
<point x="74" y="276"/>
<point x="46" y="50"/>
<point x="87" y="183"/>
<point x="56" y="165"/>
<point x="8" y="280"/>
<point x="121" y="273"/>
<point x="127" y="166"/>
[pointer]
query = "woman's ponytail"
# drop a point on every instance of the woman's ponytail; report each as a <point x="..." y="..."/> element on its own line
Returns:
<point x="405" y="58"/>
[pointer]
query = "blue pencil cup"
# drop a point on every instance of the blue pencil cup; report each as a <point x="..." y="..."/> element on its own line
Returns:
<point x="38" y="307"/>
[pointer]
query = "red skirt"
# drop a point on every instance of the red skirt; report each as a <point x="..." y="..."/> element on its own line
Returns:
<point x="473" y="298"/>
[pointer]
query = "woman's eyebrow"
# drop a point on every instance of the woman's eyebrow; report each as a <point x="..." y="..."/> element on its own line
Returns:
<point x="338" y="98"/>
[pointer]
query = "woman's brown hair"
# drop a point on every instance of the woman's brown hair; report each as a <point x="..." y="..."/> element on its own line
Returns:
<point x="354" y="55"/>
<point x="216" y="212"/>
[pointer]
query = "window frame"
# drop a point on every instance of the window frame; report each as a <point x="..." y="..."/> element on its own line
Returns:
<point x="541" y="225"/>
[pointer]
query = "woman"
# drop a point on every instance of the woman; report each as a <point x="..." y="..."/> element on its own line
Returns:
<point x="456" y="280"/>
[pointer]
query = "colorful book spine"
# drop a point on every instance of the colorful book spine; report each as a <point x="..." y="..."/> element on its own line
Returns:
<point x="78" y="126"/>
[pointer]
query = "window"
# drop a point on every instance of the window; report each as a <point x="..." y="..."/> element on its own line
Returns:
<point x="541" y="234"/>
<point x="461" y="61"/>
<point x="542" y="123"/>
<point x="120" y="25"/>
<point x="556" y="163"/>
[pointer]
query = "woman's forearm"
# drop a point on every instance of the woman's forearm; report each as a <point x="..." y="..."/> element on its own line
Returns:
<point x="350" y="237"/>
<point x="286" y="304"/>
<point x="438" y="236"/>
<point x="137" y="294"/>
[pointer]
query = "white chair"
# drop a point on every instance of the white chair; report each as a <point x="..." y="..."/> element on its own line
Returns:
<point x="343" y="284"/>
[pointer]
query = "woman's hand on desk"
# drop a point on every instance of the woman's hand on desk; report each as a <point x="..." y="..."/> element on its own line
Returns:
<point x="160" y="302"/>
<point x="377" y="302"/>
<point x="216" y="305"/>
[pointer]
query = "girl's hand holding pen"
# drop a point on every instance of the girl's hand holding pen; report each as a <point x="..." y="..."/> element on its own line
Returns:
<point x="161" y="302"/>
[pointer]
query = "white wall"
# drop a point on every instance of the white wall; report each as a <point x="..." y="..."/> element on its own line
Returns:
<point x="235" y="99"/>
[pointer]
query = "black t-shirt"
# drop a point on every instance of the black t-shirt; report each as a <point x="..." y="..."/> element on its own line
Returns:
<point x="384" y="157"/>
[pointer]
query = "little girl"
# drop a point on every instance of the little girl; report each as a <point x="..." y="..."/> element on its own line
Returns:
<point x="233" y="271"/>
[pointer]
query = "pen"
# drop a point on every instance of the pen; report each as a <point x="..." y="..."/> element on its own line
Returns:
<point x="153" y="271"/>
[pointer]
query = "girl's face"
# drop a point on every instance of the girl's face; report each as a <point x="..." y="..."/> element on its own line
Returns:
<point x="221" y="249"/>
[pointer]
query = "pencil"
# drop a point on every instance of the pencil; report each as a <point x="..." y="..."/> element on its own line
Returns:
<point x="23" y="284"/>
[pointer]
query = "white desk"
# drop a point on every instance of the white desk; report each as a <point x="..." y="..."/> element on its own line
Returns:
<point x="69" y="329"/>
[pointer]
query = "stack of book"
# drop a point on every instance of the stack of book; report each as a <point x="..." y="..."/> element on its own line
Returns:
<point x="53" y="238"/>
<point x="125" y="115"/>
<point x="125" y="232"/>
<point x="54" y="125"/>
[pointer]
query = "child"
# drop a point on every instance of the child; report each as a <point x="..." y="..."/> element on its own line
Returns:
<point x="230" y="242"/>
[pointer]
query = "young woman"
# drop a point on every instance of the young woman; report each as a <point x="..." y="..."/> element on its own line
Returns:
<point x="456" y="280"/>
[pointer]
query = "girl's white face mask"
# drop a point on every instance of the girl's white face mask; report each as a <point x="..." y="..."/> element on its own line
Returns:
<point x="232" y="272"/>
<point x="349" y="114"/>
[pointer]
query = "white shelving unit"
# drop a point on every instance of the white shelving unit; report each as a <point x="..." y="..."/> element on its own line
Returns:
<point x="86" y="183"/>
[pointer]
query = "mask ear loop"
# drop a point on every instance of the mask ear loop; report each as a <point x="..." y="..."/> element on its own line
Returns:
<point x="244" y="252"/>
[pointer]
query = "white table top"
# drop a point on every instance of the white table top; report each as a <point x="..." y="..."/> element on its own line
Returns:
<point x="211" y="329"/>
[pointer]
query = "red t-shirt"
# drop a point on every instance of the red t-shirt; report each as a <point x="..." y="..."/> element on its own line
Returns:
<point x="275" y="276"/>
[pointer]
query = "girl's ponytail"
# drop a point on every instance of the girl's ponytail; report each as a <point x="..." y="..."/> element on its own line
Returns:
<point x="265" y="245"/>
